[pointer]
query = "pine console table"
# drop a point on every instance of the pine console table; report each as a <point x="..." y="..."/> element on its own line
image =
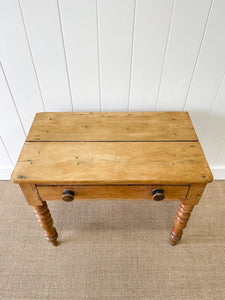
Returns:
<point x="125" y="156"/>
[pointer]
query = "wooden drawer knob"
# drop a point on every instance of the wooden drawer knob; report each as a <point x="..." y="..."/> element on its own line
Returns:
<point x="158" y="194"/>
<point x="68" y="195"/>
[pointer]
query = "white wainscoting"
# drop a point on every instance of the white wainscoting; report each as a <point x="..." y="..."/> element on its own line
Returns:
<point x="112" y="55"/>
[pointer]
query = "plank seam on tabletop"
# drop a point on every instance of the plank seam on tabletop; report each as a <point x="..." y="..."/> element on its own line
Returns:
<point x="113" y="141"/>
<point x="132" y="51"/>
<point x="4" y="146"/>
<point x="198" y="54"/>
<point x="98" y="49"/>
<point x="64" y="51"/>
<point x="13" y="99"/>
<point x="32" y="59"/>
<point x="165" y="54"/>
<point x="212" y="105"/>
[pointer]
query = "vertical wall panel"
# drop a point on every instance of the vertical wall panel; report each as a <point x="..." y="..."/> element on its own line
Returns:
<point x="43" y="28"/>
<point x="152" y="22"/>
<point x="214" y="131"/>
<point x="220" y="159"/>
<point x="10" y="126"/>
<point x="79" y="24"/>
<point x="5" y="163"/>
<point x="209" y="69"/>
<point x="17" y="62"/>
<point x="188" y="22"/>
<point x="111" y="55"/>
<point x="115" y="45"/>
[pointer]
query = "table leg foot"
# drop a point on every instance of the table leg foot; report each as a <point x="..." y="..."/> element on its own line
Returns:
<point x="44" y="217"/>
<point x="180" y="222"/>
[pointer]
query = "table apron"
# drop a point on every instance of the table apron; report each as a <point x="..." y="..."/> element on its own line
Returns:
<point x="113" y="192"/>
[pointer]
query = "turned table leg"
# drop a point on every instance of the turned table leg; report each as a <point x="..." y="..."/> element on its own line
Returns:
<point x="180" y="222"/>
<point x="184" y="211"/>
<point x="41" y="211"/>
<point x="44" y="217"/>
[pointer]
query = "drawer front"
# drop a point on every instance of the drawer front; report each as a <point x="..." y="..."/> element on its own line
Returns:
<point x="113" y="192"/>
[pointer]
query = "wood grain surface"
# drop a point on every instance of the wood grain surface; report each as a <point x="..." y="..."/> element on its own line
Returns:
<point x="112" y="192"/>
<point x="31" y="194"/>
<point x="140" y="126"/>
<point x="112" y="163"/>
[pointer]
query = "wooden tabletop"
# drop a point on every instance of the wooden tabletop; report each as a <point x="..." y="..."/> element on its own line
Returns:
<point x="139" y="126"/>
<point x="112" y="148"/>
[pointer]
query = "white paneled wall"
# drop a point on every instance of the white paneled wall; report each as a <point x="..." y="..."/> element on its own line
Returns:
<point x="43" y="29"/>
<point x="112" y="55"/>
<point x="152" y="24"/>
<point x="115" y="26"/>
<point x="79" y="31"/>
<point x="17" y="64"/>
<point x="188" y="22"/>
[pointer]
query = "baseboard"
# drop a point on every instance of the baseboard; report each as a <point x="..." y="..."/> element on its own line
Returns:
<point x="5" y="172"/>
<point x="218" y="173"/>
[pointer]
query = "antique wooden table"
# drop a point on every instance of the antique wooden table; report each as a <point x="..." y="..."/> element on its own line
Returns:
<point x="125" y="156"/>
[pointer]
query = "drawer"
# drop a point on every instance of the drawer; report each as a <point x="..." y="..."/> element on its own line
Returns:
<point x="113" y="192"/>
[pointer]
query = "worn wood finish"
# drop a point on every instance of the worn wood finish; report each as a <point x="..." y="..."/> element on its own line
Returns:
<point x="44" y="217"/>
<point x="120" y="156"/>
<point x="195" y="192"/>
<point x="112" y="163"/>
<point x="30" y="193"/>
<point x="121" y="126"/>
<point x="180" y="222"/>
<point x="119" y="192"/>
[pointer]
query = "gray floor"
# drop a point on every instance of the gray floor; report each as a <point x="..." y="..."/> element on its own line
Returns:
<point x="112" y="250"/>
